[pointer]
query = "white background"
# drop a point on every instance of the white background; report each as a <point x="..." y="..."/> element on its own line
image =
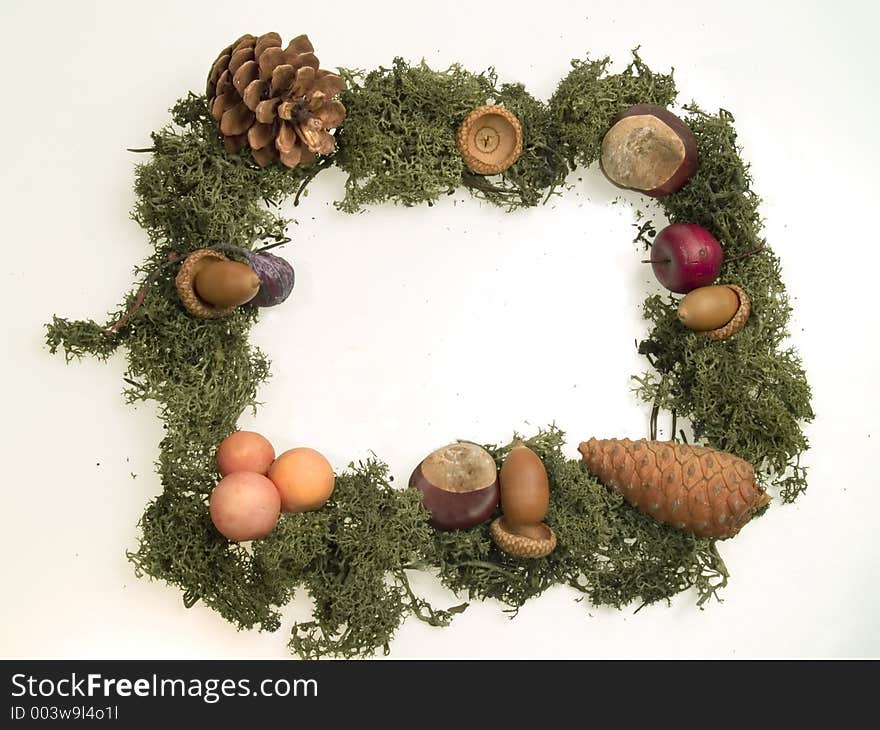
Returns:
<point x="410" y="328"/>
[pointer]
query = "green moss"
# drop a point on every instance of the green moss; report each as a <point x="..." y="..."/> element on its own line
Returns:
<point x="180" y="545"/>
<point x="191" y="194"/>
<point x="398" y="140"/>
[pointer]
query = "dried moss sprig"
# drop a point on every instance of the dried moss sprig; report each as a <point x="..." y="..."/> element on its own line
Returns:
<point x="748" y="395"/>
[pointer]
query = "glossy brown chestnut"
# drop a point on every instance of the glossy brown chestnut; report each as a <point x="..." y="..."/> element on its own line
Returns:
<point x="649" y="149"/>
<point x="459" y="485"/>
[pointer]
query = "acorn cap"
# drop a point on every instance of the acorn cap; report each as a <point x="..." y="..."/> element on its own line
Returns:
<point x="490" y="140"/>
<point x="739" y="319"/>
<point x="520" y="546"/>
<point x="185" y="283"/>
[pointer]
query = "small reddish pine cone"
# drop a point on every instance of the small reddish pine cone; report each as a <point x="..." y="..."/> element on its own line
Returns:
<point x="707" y="492"/>
<point x="275" y="100"/>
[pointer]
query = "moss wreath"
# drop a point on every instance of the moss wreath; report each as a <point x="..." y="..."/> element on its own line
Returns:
<point x="747" y="396"/>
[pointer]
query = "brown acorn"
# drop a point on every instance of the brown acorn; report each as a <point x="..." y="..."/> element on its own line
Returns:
<point x="525" y="497"/>
<point x="739" y="319"/>
<point x="226" y="283"/>
<point x="708" y="308"/>
<point x="716" y="312"/>
<point x="525" y="491"/>
<point x="211" y="286"/>
<point x="649" y="149"/>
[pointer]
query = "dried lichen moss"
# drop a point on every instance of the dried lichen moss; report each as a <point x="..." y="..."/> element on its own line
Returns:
<point x="352" y="558"/>
<point x="398" y="140"/>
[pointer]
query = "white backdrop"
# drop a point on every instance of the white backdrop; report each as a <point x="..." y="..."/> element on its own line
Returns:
<point x="405" y="329"/>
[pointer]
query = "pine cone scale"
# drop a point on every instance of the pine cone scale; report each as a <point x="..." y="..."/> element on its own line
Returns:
<point x="265" y="111"/>
<point x="235" y="144"/>
<point x="245" y="41"/>
<point x="246" y="73"/>
<point x="270" y="59"/>
<point x="282" y="78"/>
<point x="292" y="158"/>
<point x="259" y="135"/>
<point x="300" y="44"/>
<point x="236" y="120"/>
<point x="266" y="41"/>
<point x="224" y="83"/>
<point x="286" y="139"/>
<point x="330" y="85"/>
<point x="303" y="81"/>
<point x="239" y="59"/>
<point x="304" y="60"/>
<point x="265" y="155"/>
<point x="316" y="138"/>
<point x="221" y="104"/>
<point x="253" y="93"/>
<point x="220" y="65"/>
<point x="286" y="110"/>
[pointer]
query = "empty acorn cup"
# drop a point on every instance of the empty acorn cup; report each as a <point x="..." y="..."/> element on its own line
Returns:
<point x="211" y="286"/>
<point x="717" y="312"/>
<point x="490" y="140"/>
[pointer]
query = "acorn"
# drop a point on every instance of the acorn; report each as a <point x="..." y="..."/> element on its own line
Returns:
<point x="649" y="149"/>
<point x="717" y="312"/>
<point x="490" y="140"/>
<point x="211" y="286"/>
<point x="525" y="497"/>
<point x="459" y="485"/>
<point x="226" y="283"/>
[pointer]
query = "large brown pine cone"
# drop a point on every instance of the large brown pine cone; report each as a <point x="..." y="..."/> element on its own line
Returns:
<point x="694" y="488"/>
<point x="276" y="101"/>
